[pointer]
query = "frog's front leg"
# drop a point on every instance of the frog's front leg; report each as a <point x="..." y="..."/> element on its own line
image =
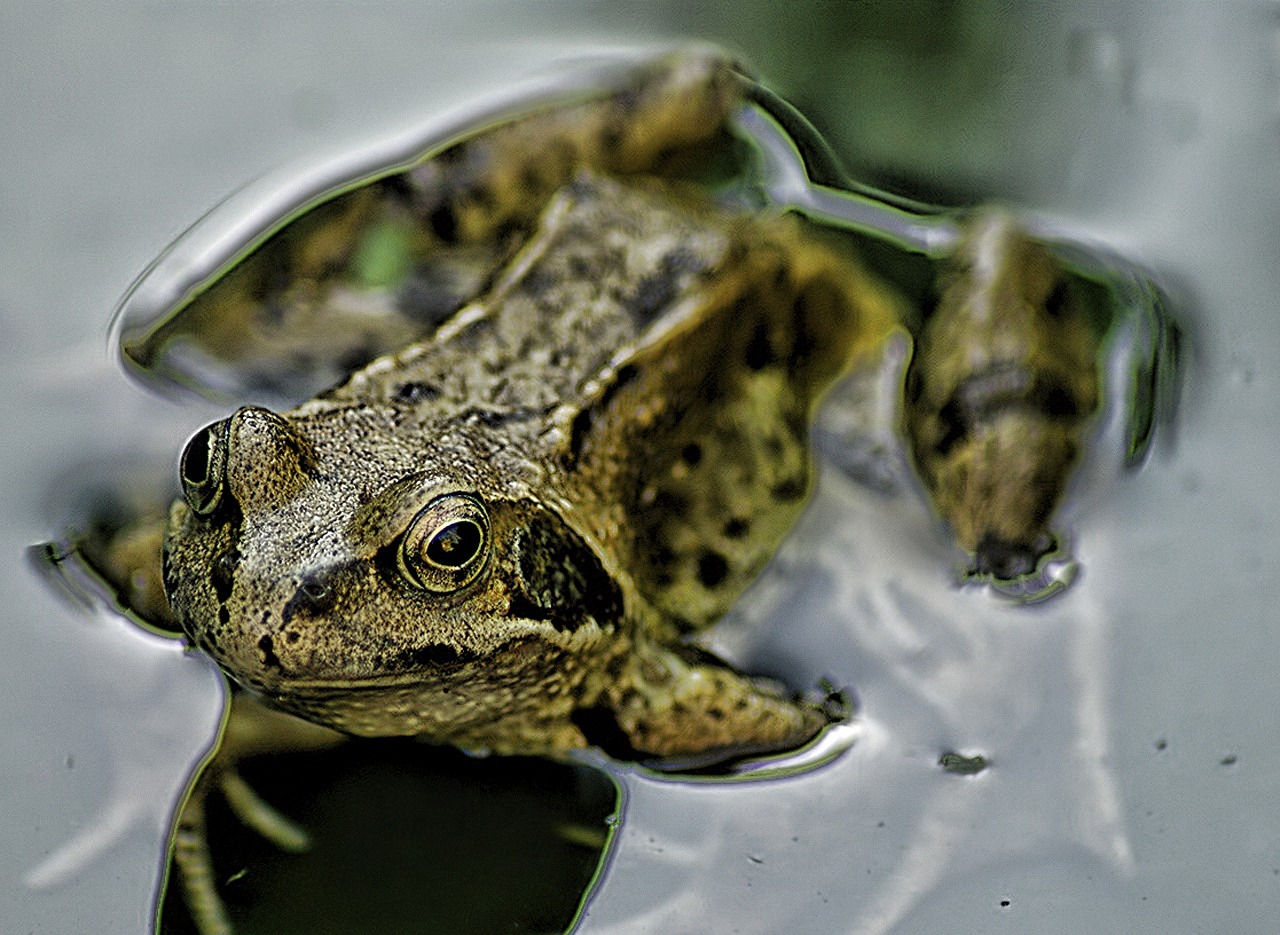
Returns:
<point x="251" y="729"/>
<point x="679" y="707"/>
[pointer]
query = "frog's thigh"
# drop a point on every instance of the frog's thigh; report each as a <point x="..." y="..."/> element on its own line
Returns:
<point x="718" y="462"/>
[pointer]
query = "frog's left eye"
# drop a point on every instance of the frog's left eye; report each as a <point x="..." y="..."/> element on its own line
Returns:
<point x="203" y="467"/>
<point x="446" y="545"/>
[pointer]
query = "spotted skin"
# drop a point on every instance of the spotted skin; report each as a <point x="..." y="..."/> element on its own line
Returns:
<point x="999" y="394"/>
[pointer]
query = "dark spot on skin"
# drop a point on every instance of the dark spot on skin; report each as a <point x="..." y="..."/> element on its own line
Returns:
<point x="223" y="575"/>
<point x="954" y="429"/>
<point x="670" y="503"/>
<point x="292" y="636"/>
<point x="737" y="528"/>
<point x="579" y="430"/>
<point x="584" y="421"/>
<point x="759" y="352"/>
<point x="269" y="658"/>
<point x="397" y="186"/>
<point x="712" y="568"/>
<point x="600" y="727"/>
<point x="816" y="307"/>
<point x="656" y="291"/>
<point x="444" y="223"/>
<point x="662" y="557"/>
<point x="1056" y="302"/>
<point x="1056" y="401"/>
<point x="224" y="615"/>
<point x="482" y="197"/>
<point x="415" y="391"/>
<point x="537" y="281"/>
<point x="789" y="490"/>
<point x="712" y="389"/>
<point x="623" y="376"/>
<point x="429" y="656"/>
<point x="651" y="295"/>
<point x="530" y="177"/>
<point x="610" y="139"/>
<point x="691" y="454"/>
<point x="507" y="229"/>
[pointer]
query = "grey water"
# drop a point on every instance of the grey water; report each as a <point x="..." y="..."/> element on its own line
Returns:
<point x="1132" y="783"/>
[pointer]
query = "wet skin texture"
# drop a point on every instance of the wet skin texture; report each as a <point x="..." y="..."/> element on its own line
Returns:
<point x="499" y="535"/>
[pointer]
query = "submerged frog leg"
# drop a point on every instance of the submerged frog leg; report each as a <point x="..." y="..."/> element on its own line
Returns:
<point x="1001" y="388"/>
<point x="125" y="558"/>
<point x="385" y="263"/>
<point x="252" y="729"/>
<point x="714" y="408"/>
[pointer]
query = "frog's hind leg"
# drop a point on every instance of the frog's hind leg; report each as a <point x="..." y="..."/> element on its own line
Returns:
<point x="718" y="465"/>
<point x="350" y="277"/>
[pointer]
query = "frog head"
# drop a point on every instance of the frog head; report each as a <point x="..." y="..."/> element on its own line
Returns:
<point x="414" y="595"/>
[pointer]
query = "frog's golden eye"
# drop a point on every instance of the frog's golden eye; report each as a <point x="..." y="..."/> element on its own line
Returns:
<point x="202" y="468"/>
<point x="446" y="545"/>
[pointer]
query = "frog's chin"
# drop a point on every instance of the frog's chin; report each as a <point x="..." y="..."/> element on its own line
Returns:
<point x="411" y="705"/>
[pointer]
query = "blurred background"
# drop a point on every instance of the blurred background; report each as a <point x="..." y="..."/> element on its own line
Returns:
<point x="1135" y="783"/>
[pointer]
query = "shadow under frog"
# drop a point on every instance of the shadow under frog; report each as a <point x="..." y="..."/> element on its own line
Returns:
<point x="503" y="534"/>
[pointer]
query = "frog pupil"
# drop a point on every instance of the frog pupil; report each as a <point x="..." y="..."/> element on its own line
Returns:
<point x="195" y="461"/>
<point x="455" y="544"/>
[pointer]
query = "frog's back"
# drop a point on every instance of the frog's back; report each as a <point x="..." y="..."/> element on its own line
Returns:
<point x="652" y="363"/>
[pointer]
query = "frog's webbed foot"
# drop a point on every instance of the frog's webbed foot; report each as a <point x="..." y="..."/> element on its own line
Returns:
<point x="681" y="708"/>
<point x="251" y="729"/>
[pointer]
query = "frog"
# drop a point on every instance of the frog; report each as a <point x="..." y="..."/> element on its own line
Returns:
<point x="558" y="434"/>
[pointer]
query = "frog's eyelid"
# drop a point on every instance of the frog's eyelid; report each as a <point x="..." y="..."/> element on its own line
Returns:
<point x="380" y="520"/>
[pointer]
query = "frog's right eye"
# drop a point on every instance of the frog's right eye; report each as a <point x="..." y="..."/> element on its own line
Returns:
<point x="203" y="467"/>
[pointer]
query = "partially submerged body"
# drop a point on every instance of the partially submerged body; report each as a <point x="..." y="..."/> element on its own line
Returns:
<point x="572" y="425"/>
